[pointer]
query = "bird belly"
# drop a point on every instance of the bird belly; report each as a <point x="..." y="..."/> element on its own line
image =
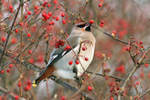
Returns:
<point x="63" y="69"/>
<point x="83" y="65"/>
<point x="66" y="74"/>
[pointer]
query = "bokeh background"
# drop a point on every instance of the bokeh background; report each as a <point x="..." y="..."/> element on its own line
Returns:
<point x="124" y="18"/>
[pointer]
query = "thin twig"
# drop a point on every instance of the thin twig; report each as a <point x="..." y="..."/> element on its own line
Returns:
<point x="140" y="9"/>
<point x="54" y="78"/>
<point x="144" y="93"/>
<point x="130" y="73"/>
<point x="47" y="89"/>
<point x="2" y="90"/>
<point x="111" y="76"/>
<point x="116" y="39"/>
<point x="57" y="80"/>
<point x="9" y="33"/>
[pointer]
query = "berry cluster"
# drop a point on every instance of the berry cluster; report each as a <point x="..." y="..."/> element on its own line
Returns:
<point x="59" y="43"/>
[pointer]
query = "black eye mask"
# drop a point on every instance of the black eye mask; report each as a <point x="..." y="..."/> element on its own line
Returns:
<point x="81" y="25"/>
<point x="88" y="28"/>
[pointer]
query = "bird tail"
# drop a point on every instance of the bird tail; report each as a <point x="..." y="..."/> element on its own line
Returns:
<point x="35" y="83"/>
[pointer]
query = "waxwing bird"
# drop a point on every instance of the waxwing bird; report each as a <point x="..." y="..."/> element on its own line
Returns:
<point x="71" y="62"/>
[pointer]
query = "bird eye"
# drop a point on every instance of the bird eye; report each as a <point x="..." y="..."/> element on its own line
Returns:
<point x="81" y="25"/>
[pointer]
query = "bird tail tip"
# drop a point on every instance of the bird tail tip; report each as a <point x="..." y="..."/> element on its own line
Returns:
<point x="34" y="84"/>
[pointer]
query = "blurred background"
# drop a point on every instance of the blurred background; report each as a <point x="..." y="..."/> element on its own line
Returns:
<point x="41" y="23"/>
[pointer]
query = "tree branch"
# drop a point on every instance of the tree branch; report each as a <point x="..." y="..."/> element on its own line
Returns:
<point x="9" y="32"/>
<point x="131" y="72"/>
<point x="2" y="90"/>
<point x="54" y="78"/>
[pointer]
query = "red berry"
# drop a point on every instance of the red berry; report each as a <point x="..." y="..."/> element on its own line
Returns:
<point x="62" y="15"/>
<point x="83" y="48"/>
<point x="141" y="42"/>
<point x="118" y="88"/>
<point x="43" y="14"/>
<point x="142" y="75"/>
<point x="19" y="84"/>
<point x="2" y="71"/>
<point x="29" y="82"/>
<point x="116" y="93"/>
<point x="86" y="59"/>
<point x="48" y="5"/>
<point x="67" y="48"/>
<point x="111" y="90"/>
<point x="61" y="42"/>
<point x="16" y="97"/>
<point x="137" y="83"/>
<point x="35" y="7"/>
<point x="16" y="31"/>
<point x="28" y="35"/>
<point x="8" y="70"/>
<point x="51" y="23"/>
<point x="146" y="65"/>
<point x="3" y="39"/>
<point x="43" y="19"/>
<point x="64" y="21"/>
<point x="91" y="21"/>
<point x="55" y="1"/>
<point x="47" y="17"/>
<point x="27" y="88"/>
<point x="40" y="58"/>
<point x="0" y="98"/>
<point x="20" y="23"/>
<point x="29" y="12"/>
<point x="114" y="31"/>
<point x="111" y="98"/>
<point x="102" y="22"/>
<point x="10" y="7"/>
<point x="89" y="88"/>
<point x="13" y="41"/>
<point x="10" y="65"/>
<point x="106" y="77"/>
<point x="11" y="10"/>
<point x="101" y="25"/>
<point x="26" y="16"/>
<point x="57" y="45"/>
<point x="53" y="17"/>
<point x="70" y="62"/>
<point x="128" y="48"/>
<point x="63" y="98"/>
<point x="30" y="51"/>
<point x="50" y="14"/>
<point x="77" y="62"/>
<point x="44" y="4"/>
<point x="100" y="5"/>
<point x="57" y="18"/>
<point x="29" y="85"/>
<point x="31" y="60"/>
<point x="45" y="35"/>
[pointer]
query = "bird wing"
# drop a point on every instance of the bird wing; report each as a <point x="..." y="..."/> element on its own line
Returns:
<point x="55" y="56"/>
<point x="59" y="52"/>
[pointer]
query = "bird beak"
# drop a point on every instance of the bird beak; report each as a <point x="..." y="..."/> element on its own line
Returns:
<point x="88" y="25"/>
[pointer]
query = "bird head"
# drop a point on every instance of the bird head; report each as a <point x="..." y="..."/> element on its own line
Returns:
<point x="84" y="26"/>
<point x="80" y="28"/>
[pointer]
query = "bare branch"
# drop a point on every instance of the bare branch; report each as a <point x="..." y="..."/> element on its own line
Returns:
<point x="2" y="90"/>
<point x="130" y="73"/>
